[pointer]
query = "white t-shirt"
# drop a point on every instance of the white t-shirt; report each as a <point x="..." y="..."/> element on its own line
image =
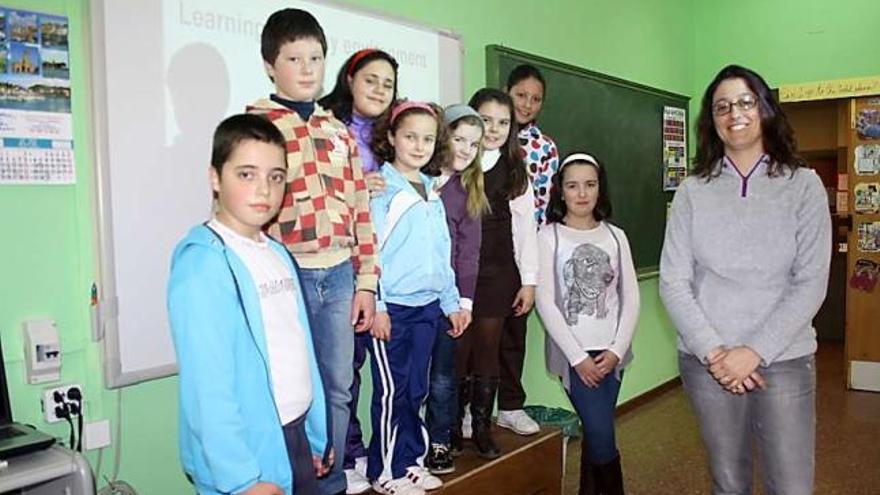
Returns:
<point x="285" y="340"/>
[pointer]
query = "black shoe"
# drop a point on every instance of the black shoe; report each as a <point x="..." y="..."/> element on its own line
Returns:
<point x="481" y="408"/>
<point x="587" y="484"/>
<point x="456" y="443"/>
<point x="439" y="459"/>
<point x="609" y="477"/>
<point x="464" y="398"/>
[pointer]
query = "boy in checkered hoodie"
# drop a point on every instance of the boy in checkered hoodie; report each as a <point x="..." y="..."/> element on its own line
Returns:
<point x="325" y="217"/>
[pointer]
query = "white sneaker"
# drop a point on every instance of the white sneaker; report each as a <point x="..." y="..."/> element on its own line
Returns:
<point x="397" y="486"/>
<point x="467" y="429"/>
<point x="518" y="421"/>
<point x="355" y="482"/>
<point x="423" y="478"/>
<point x="360" y="465"/>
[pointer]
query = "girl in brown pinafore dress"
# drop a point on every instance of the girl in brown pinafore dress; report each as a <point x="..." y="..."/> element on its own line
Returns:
<point x="508" y="265"/>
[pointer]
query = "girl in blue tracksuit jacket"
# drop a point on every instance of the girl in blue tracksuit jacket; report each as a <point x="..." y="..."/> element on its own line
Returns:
<point x="417" y="293"/>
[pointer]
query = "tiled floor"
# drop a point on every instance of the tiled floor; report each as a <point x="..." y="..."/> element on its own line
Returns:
<point x="662" y="452"/>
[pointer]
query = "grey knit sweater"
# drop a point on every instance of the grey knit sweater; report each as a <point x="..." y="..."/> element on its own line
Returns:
<point x="745" y="261"/>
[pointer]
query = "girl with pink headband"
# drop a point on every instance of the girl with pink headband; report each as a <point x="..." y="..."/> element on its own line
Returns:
<point x="417" y="299"/>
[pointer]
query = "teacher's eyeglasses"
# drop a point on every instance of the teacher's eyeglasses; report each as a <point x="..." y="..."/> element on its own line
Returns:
<point x="724" y="107"/>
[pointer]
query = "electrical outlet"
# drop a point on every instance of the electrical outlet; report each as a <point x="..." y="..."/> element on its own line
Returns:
<point x="56" y="397"/>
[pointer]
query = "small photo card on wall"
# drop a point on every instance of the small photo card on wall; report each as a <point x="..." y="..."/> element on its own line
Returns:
<point x="869" y="237"/>
<point x="866" y="197"/>
<point x="867" y="159"/>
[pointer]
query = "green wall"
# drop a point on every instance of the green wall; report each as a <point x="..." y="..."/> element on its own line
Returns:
<point x="786" y="41"/>
<point x="48" y="259"/>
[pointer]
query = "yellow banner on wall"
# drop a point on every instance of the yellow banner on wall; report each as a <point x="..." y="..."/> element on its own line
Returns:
<point x="827" y="90"/>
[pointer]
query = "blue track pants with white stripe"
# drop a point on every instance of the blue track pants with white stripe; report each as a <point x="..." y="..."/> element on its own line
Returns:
<point x="400" y="385"/>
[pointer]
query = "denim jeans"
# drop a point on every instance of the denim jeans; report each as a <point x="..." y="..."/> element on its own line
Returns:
<point x="595" y="407"/>
<point x="781" y="421"/>
<point x="442" y="404"/>
<point x="328" y="293"/>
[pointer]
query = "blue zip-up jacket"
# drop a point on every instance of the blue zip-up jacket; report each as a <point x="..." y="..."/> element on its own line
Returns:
<point x="230" y="434"/>
<point x="414" y="246"/>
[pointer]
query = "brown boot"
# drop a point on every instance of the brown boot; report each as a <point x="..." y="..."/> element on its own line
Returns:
<point x="482" y="402"/>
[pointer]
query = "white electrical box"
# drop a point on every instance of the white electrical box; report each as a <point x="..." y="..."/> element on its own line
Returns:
<point x="42" y="351"/>
<point x="96" y="435"/>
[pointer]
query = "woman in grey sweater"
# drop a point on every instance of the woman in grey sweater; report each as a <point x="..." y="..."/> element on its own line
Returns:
<point x="743" y="272"/>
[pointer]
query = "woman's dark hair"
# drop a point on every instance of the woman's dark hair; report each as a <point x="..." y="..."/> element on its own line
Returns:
<point x="517" y="177"/>
<point x="385" y="151"/>
<point x="776" y="133"/>
<point x="340" y="100"/>
<point x="556" y="209"/>
<point x="525" y="71"/>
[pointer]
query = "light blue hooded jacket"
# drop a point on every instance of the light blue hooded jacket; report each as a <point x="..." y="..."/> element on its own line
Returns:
<point x="230" y="434"/>
<point x="414" y="245"/>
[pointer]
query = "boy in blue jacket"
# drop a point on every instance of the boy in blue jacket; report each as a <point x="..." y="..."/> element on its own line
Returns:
<point x="253" y="419"/>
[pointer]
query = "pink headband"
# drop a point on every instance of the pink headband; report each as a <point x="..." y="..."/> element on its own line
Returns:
<point x="357" y="57"/>
<point x="409" y="105"/>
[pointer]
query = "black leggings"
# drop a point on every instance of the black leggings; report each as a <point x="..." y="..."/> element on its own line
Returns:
<point x="478" y="349"/>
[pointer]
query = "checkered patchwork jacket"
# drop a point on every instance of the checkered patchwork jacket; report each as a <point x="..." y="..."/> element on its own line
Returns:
<point x="325" y="215"/>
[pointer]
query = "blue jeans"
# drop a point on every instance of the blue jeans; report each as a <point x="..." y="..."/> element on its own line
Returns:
<point x="328" y="293"/>
<point x="595" y="407"/>
<point x="780" y="420"/>
<point x="442" y="405"/>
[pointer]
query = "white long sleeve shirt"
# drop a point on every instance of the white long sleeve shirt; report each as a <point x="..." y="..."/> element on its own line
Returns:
<point x="588" y="292"/>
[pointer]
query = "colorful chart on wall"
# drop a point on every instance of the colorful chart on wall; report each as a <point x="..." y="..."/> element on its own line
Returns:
<point x="36" y="132"/>
<point x="674" y="147"/>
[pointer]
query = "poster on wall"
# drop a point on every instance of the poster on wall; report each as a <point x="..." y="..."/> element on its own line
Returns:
<point x="866" y="197"/>
<point x="36" y="127"/>
<point x="867" y="159"/>
<point x="674" y="147"/>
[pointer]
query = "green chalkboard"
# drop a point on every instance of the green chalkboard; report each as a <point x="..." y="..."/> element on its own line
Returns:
<point x="617" y="121"/>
